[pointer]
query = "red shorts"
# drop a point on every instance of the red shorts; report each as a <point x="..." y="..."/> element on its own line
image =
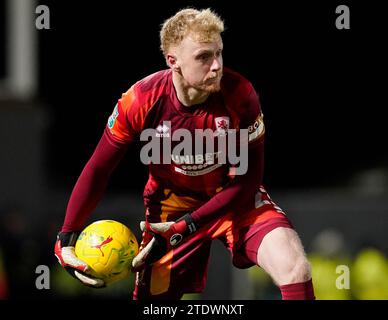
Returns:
<point x="184" y="269"/>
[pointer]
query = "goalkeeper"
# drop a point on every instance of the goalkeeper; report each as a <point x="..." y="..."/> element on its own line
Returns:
<point x="191" y="198"/>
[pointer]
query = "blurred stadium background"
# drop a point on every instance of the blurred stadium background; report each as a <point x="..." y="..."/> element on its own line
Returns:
<point x="326" y="153"/>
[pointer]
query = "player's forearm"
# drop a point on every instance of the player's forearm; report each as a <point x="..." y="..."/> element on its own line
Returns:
<point x="239" y="194"/>
<point x="92" y="183"/>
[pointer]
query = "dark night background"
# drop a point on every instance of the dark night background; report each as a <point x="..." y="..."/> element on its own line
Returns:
<point x="320" y="87"/>
<point x="323" y="95"/>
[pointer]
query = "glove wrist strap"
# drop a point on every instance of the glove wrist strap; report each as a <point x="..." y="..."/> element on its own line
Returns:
<point x="191" y="225"/>
<point x="68" y="239"/>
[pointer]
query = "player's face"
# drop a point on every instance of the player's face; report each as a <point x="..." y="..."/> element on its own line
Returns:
<point x="201" y="63"/>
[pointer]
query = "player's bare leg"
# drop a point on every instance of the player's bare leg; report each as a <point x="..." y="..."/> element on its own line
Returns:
<point x="282" y="256"/>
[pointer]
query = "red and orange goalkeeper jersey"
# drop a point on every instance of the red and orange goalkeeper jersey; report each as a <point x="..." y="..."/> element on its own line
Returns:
<point x="191" y="178"/>
<point x="191" y="181"/>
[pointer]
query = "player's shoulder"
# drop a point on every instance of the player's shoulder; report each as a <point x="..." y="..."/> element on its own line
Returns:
<point x="146" y="91"/>
<point x="234" y="84"/>
<point x="239" y="94"/>
<point x="157" y="81"/>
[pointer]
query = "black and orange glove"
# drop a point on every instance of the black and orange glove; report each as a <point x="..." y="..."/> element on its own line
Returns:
<point x="166" y="235"/>
<point x="64" y="251"/>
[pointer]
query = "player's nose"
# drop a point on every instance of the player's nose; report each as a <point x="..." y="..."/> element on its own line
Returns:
<point x="217" y="64"/>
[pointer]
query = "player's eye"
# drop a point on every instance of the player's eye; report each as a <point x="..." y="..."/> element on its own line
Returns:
<point x="204" y="56"/>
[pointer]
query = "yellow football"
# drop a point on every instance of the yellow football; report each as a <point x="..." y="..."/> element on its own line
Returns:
<point x="108" y="247"/>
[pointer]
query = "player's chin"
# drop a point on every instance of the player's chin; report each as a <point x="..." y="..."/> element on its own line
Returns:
<point x="212" y="87"/>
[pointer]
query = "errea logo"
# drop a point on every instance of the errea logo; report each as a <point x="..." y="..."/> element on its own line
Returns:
<point x="162" y="131"/>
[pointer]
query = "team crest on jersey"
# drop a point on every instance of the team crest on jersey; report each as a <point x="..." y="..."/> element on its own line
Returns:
<point x="222" y="125"/>
<point x="112" y="118"/>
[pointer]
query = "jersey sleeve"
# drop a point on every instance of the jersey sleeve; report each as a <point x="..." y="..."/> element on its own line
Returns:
<point x="92" y="182"/>
<point x="252" y="116"/>
<point x="125" y="124"/>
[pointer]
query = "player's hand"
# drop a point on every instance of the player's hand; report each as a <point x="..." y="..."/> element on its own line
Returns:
<point x="64" y="251"/>
<point x="173" y="232"/>
<point x="166" y="235"/>
<point x="153" y="251"/>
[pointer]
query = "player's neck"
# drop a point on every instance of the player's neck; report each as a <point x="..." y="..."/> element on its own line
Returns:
<point x="186" y="94"/>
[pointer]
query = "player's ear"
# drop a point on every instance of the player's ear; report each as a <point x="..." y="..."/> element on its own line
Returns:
<point x="172" y="62"/>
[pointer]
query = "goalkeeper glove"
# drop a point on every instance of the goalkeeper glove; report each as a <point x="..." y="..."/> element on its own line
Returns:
<point x="166" y="235"/>
<point x="64" y="251"/>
